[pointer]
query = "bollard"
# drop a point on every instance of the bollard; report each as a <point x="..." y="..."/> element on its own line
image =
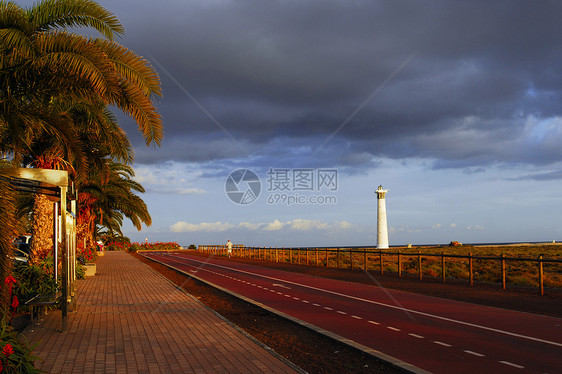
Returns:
<point x="399" y="265"/>
<point x="380" y="254"/>
<point x="365" y="258"/>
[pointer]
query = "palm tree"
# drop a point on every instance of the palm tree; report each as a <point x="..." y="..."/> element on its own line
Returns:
<point x="48" y="77"/>
<point x="108" y="199"/>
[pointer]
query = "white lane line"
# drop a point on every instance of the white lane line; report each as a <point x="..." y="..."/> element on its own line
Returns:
<point x="340" y="312"/>
<point x="393" y="328"/>
<point x="287" y="295"/>
<point x="306" y="301"/>
<point x="416" y="336"/>
<point x="315" y="304"/>
<point x="474" y="353"/>
<point x="443" y="344"/>
<point x="296" y="298"/>
<point x="374" y="323"/>
<point x="512" y="364"/>
<point x="384" y="305"/>
<point x="328" y="308"/>
<point x="356" y="317"/>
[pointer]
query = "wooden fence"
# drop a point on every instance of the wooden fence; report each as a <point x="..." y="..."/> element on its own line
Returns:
<point x="372" y="259"/>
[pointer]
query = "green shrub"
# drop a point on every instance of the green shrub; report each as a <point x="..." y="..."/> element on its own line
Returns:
<point x="15" y="354"/>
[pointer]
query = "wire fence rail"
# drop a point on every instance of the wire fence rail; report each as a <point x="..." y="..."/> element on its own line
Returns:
<point x="529" y="271"/>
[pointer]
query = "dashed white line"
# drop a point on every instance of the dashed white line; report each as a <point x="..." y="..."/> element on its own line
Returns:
<point x="356" y="317"/>
<point x="393" y="328"/>
<point x="316" y="304"/>
<point x="416" y="336"/>
<point x="340" y="312"/>
<point x="474" y="353"/>
<point x="512" y="364"/>
<point x="296" y="298"/>
<point x="328" y="308"/>
<point x="374" y="323"/>
<point x="443" y="344"/>
<point x="287" y="295"/>
<point x="306" y="301"/>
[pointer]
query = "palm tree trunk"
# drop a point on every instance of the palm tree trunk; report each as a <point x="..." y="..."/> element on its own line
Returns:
<point x="7" y="231"/>
<point x="42" y="229"/>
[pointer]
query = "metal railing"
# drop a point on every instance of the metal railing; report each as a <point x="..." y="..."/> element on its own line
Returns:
<point x="372" y="259"/>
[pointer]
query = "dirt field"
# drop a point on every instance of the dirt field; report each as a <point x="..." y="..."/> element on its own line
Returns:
<point x="316" y="353"/>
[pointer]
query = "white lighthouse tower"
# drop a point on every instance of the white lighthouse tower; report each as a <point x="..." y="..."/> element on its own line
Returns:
<point x="382" y="229"/>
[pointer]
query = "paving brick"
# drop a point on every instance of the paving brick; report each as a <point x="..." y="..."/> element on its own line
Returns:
<point x="130" y="319"/>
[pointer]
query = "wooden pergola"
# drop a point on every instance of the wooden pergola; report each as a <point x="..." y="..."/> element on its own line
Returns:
<point x="55" y="184"/>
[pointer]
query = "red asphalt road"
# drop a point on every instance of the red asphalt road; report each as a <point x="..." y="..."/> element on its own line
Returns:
<point x="436" y="335"/>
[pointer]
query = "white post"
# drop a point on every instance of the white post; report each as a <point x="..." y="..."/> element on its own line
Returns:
<point x="382" y="228"/>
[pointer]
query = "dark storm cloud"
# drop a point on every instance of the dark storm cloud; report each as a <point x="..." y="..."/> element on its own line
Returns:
<point x="281" y="77"/>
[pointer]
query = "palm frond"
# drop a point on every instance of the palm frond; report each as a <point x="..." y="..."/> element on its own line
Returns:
<point x="55" y="14"/>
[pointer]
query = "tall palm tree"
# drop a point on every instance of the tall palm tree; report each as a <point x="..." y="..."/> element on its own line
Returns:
<point x="47" y="73"/>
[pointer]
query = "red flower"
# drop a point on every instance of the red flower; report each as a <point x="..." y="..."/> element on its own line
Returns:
<point x="10" y="280"/>
<point x="15" y="302"/>
<point x="8" y="350"/>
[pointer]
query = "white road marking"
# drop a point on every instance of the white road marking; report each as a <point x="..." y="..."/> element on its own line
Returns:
<point x="443" y="344"/>
<point x="280" y="285"/>
<point x="316" y="304"/>
<point x="474" y="353"/>
<point x="296" y="298"/>
<point x="340" y="312"/>
<point x="385" y="305"/>
<point x="416" y="336"/>
<point x="328" y="308"/>
<point x="374" y="323"/>
<point x="393" y="328"/>
<point x="306" y="301"/>
<point x="356" y="317"/>
<point x="512" y="364"/>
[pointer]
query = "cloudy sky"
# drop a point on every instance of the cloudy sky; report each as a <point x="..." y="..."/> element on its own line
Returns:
<point x="455" y="106"/>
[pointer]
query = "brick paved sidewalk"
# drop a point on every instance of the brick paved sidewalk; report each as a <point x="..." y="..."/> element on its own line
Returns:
<point x="130" y="319"/>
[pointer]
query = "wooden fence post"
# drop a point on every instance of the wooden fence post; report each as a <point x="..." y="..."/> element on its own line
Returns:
<point x="316" y="254"/>
<point x="503" y="270"/>
<point x="365" y="258"/>
<point x="326" y="257"/>
<point x="350" y="259"/>
<point x="399" y="265"/>
<point x="419" y="265"/>
<point x="443" y="266"/>
<point x="470" y="270"/>
<point x="337" y="258"/>
<point x="541" y="276"/>
<point x="306" y="256"/>
<point x="380" y="255"/>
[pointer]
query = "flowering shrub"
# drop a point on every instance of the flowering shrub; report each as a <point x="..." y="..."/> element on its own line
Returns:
<point x="86" y="255"/>
<point x="133" y="247"/>
<point x="15" y="356"/>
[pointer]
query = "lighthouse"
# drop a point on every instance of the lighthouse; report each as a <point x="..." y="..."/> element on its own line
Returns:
<point x="382" y="229"/>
